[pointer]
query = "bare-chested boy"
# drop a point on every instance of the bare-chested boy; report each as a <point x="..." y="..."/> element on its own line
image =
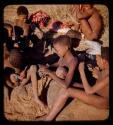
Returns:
<point x="62" y="47"/>
<point x="21" y="26"/>
<point x="21" y="22"/>
<point x="90" y="21"/>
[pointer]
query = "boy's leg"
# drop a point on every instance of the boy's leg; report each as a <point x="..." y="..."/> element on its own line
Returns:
<point x="34" y="80"/>
<point x="75" y="93"/>
<point x="87" y="30"/>
<point x="94" y="100"/>
<point x="57" y="106"/>
<point x="33" y="71"/>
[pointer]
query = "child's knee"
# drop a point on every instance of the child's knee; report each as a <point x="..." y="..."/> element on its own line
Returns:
<point x="105" y="104"/>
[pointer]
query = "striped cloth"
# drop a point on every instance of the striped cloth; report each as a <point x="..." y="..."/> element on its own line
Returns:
<point x="44" y="20"/>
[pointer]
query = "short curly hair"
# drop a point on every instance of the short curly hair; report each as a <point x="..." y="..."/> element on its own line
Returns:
<point x="22" y="10"/>
<point x="63" y="40"/>
<point x="16" y="58"/>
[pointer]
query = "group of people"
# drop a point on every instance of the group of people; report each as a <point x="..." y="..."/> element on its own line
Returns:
<point x="30" y="51"/>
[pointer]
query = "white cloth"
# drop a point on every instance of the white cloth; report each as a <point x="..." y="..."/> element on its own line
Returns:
<point x="94" y="48"/>
<point x="63" y="30"/>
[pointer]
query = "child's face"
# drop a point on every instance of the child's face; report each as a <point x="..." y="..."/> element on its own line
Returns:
<point x="60" y="49"/>
<point x="22" y="17"/>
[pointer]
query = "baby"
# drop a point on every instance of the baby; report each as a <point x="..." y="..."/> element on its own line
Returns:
<point x="61" y="72"/>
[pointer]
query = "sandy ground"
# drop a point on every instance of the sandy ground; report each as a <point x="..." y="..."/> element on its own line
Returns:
<point x="75" y="110"/>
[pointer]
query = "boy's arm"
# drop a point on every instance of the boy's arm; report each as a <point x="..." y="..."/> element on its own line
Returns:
<point x="99" y="85"/>
<point x="25" y="80"/>
<point x="85" y="14"/>
<point x="65" y="83"/>
<point x="79" y="85"/>
<point x="72" y="66"/>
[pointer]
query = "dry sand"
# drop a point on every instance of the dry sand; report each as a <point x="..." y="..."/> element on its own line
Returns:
<point x="75" y="110"/>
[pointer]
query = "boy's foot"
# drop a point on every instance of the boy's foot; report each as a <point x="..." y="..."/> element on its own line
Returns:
<point x="41" y="118"/>
<point x="41" y="104"/>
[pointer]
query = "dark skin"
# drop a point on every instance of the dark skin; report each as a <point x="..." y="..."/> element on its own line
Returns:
<point x="21" y="22"/>
<point x="90" y="21"/>
<point x="67" y="60"/>
<point x="88" y="96"/>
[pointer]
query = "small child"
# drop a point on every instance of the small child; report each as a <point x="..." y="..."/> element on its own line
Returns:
<point x="61" y="72"/>
<point x="90" y="21"/>
<point x="16" y="59"/>
<point x="21" y="22"/>
<point x="21" y="27"/>
<point x="24" y="75"/>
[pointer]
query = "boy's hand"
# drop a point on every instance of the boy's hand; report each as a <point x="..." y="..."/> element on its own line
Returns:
<point x="81" y="66"/>
<point x="16" y="45"/>
<point x="95" y="72"/>
<point x="22" y="75"/>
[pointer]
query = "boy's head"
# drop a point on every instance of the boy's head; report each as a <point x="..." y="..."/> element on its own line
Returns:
<point x="7" y="72"/>
<point x="9" y="29"/>
<point x="85" y="6"/>
<point x="16" y="59"/>
<point x="22" y="12"/>
<point x="75" y="37"/>
<point x="62" y="44"/>
<point x="61" y="72"/>
<point x="103" y="59"/>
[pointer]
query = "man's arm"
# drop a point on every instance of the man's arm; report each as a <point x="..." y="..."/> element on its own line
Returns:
<point x="98" y="86"/>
